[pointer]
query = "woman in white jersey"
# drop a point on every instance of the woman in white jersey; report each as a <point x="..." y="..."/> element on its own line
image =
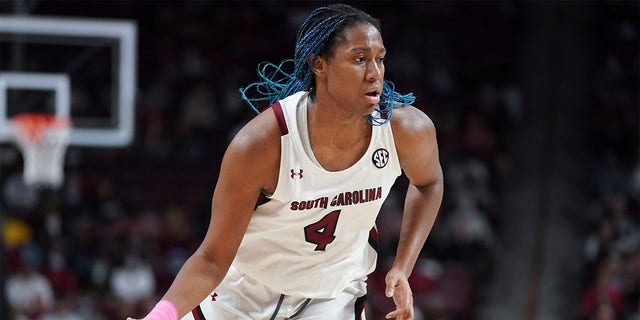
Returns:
<point x="292" y="232"/>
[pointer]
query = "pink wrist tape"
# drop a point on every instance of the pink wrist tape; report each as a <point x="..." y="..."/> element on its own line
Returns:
<point x="164" y="310"/>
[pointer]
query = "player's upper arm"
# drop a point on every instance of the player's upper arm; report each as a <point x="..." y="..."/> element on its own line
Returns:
<point x="249" y="167"/>
<point x="415" y="137"/>
<point x="252" y="159"/>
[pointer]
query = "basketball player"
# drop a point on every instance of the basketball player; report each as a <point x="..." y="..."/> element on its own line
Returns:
<point x="292" y="232"/>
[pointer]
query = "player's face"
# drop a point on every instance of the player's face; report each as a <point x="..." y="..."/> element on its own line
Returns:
<point x="356" y="70"/>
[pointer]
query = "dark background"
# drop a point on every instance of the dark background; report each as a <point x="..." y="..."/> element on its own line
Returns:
<point x="536" y="108"/>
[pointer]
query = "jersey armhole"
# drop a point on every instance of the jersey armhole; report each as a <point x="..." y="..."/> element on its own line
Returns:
<point x="282" y="124"/>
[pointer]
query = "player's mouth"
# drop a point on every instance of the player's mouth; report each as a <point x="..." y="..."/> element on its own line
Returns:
<point x="373" y="96"/>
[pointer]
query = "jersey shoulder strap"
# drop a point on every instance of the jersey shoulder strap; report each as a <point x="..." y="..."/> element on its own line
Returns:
<point x="282" y="123"/>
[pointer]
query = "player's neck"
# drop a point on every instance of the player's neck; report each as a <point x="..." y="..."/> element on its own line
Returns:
<point x="336" y="128"/>
<point x="329" y="114"/>
<point x="337" y="142"/>
<point x="330" y="122"/>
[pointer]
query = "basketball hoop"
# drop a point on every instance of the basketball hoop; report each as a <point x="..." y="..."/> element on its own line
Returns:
<point x="43" y="140"/>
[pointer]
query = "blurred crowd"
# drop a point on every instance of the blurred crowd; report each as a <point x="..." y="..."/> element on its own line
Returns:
<point x="611" y="257"/>
<point x="108" y="243"/>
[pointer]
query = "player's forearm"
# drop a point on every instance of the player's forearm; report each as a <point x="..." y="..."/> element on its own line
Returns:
<point x="195" y="280"/>
<point x="420" y="211"/>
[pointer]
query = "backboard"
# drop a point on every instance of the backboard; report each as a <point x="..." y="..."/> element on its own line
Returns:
<point x="84" y="69"/>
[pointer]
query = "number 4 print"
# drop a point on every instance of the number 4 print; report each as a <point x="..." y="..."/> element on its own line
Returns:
<point x="322" y="233"/>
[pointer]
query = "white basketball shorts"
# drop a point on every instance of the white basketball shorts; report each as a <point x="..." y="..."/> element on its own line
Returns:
<point x="242" y="298"/>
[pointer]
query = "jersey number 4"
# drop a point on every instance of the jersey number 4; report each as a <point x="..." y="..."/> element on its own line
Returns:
<point x="323" y="232"/>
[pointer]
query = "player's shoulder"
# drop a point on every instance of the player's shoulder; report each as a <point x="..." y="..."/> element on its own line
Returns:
<point x="260" y="134"/>
<point x="411" y="121"/>
<point x="415" y="139"/>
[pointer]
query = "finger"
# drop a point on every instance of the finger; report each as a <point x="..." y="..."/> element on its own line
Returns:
<point x="391" y="287"/>
<point x="399" y="314"/>
<point x="391" y="315"/>
<point x="389" y="292"/>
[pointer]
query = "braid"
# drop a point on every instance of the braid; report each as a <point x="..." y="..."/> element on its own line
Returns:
<point x="389" y="99"/>
<point x="274" y="81"/>
<point x="317" y="36"/>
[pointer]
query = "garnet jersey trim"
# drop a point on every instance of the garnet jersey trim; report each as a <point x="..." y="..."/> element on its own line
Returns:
<point x="277" y="110"/>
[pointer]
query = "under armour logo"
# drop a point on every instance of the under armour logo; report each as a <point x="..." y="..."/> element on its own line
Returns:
<point x="380" y="158"/>
<point x="213" y="296"/>
<point x="293" y="174"/>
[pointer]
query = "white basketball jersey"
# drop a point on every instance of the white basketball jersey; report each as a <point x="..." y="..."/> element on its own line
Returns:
<point x="315" y="234"/>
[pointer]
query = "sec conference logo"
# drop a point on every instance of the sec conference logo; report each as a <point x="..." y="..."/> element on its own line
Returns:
<point x="380" y="158"/>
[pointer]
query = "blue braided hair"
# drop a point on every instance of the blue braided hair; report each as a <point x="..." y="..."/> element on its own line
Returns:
<point x="319" y="35"/>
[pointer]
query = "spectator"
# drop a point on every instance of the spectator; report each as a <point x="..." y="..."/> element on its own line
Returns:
<point x="29" y="293"/>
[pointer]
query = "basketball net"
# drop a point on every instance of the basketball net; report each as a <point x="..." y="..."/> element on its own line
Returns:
<point x="43" y="141"/>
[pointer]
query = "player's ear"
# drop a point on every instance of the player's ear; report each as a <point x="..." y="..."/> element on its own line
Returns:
<point x="319" y="65"/>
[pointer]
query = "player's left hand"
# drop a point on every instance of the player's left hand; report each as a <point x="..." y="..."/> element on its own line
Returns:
<point x="398" y="288"/>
